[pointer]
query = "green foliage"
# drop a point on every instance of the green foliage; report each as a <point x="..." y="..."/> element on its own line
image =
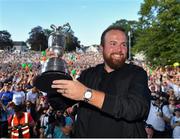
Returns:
<point x="38" y="39"/>
<point x="5" y="40"/>
<point x="127" y="25"/>
<point x="71" y="42"/>
<point x="159" y="35"/>
<point x="47" y="32"/>
<point x="132" y="26"/>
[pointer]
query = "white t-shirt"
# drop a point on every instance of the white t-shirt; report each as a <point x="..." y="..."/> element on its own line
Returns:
<point x="156" y="121"/>
<point x="176" y="130"/>
<point x="31" y="97"/>
<point x="18" y="98"/>
<point x="44" y="120"/>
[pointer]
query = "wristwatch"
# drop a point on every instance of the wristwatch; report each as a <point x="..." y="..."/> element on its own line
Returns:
<point x="87" y="95"/>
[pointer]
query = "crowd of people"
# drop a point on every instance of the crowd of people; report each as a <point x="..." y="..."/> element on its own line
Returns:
<point x="164" y="115"/>
<point x="19" y="97"/>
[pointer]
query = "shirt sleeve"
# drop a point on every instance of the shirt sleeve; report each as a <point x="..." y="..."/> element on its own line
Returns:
<point x="135" y="104"/>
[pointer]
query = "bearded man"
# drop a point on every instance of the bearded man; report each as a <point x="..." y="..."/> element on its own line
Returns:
<point x="113" y="96"/>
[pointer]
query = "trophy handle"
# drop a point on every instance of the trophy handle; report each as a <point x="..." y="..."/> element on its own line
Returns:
<point x="67" y="27"/>
<point x="53" y="27"/>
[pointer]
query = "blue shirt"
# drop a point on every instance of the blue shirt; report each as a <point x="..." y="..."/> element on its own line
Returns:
<point x="6" y="97"/>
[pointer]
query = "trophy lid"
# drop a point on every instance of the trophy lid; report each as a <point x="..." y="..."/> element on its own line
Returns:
<point x="57" y="36"/>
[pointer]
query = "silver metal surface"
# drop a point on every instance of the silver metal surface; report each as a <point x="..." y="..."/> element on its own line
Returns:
<point x="54" y="68"/>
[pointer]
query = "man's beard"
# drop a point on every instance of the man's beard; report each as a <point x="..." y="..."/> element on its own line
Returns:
<point x="114" y="63"/>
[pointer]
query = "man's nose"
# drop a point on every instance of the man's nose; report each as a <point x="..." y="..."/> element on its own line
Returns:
<point x="119" y="48"/>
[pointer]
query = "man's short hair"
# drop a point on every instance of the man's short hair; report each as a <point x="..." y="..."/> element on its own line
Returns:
<point x="109" y="29"/>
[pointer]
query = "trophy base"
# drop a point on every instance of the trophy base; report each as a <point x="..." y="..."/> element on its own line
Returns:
<point x="44" y="81"/>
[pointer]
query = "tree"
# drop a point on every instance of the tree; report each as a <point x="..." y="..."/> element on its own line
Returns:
<point x="128" y="25"/>
<point x="47" y="32"/>
<point x="159" y="36"/>
<point x="38" y="39"/>
<point x="5" y="40"/>
<point x="71" y="41"/>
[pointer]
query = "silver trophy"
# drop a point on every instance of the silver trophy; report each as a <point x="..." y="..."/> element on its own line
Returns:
<point x="54" y="68"/>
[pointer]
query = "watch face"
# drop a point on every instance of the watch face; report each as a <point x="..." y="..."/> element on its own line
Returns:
<point x="88" y="94"/>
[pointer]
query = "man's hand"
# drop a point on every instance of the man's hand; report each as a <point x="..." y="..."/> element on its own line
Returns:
<point x="70" y="89"/>
<point x="75" y="90"/>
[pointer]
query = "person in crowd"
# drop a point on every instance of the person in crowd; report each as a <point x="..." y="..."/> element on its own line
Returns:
<point x="175" y="87"/>
<point x="60" y="117"/>
<point x="6" y="94"/>
<point x="10" y="108"/>
<point x="159" y="116"/>
<point x="32" y="95"/>
<point x="57" y="125"/>
<point x="53" y="129"/>
<point x="20" y="123"/>
<point x="43" y="123"/>
<point x="149" y="130"/>
<point x="31" y="98"/>
<point x="175" y="122"/>
<point x="18" y="95"/>
<point x="42" y="106"/>
<point x="3" y="121"/>
<point x="172" y="104"/>
<point x="68" y="122"/>
<point x="31" y="109"/>
<point x="170" y="93"/>
<point x="114" y="96"/>
<point x="5" y="98"/>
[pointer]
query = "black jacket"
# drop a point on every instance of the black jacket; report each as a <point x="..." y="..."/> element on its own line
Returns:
<point x="126" y="104"/>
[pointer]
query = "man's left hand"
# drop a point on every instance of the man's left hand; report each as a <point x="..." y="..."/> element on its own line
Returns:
<point x="70" y="89"/>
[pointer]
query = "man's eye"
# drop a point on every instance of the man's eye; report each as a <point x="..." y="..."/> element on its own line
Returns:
<point x="125" y="45"/>
<point x="113" y="43"/>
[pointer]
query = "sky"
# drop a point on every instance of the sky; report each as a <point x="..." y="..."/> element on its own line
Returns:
<point x="87" y="18"/>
